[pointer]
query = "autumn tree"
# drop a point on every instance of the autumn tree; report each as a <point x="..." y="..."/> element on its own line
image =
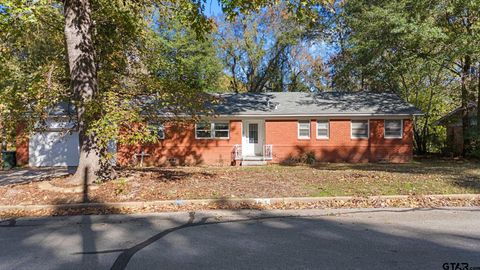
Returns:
<point x="270" y="50"/>
<point x="123" y="59"/>
<point x="422" y="50"/>
<point x="106" y="68"/>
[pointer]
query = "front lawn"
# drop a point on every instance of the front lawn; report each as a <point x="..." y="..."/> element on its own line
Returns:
<point x="416" y="178"/>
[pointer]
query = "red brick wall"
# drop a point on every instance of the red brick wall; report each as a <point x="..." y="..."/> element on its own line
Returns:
<point x="181" y="147"/>
<point x="455" y="139"/>
<point x="21" y="145"/>
<point x="340" y="147"/>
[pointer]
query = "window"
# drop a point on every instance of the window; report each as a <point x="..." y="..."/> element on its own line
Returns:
<point x="473" y="121"/>
<point x="304" y="129"/>
<point x="393" y="129"/>
<point x="219" y="130"/>
<point x="203" y="130"/>
<point x="157" y="130"/>
<point x="253" y="133"/>
<point x="359" y="129"/>
<point x="323" y="129"/>
<point x="161" y="132"/>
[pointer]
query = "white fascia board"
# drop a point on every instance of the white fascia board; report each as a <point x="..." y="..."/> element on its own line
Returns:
<point x="329" y="116"/>
<point x="298" y="116"/>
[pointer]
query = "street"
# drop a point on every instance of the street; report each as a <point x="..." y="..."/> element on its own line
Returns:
<point x="289" y="239"/>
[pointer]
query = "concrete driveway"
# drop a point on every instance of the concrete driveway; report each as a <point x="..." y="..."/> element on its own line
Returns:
<point x="26" y="175"/>
<point x="306" y="239"/>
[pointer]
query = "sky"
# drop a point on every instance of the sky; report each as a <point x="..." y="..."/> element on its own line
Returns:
<point x="213" y="8"/>
<point x="326" y="51"/>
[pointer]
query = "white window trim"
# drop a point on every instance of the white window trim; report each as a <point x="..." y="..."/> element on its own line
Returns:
<point x="309" y="130"/>
<point x="328" y="130"/>
<point x="385" y="127"/>
<point x="155" y="127"/>
<point x="203" y="138"/>
<point x="212" y="131"/>
<point x="227" y="130"/>
<point x="368" y="129"/>
<point x="161" y="126"/>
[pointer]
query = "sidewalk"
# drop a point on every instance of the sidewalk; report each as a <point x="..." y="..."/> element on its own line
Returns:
<point x="428" y="201"/>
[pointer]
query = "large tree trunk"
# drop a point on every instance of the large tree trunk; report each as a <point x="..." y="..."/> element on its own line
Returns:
<point x="465" y="100"/>
<point x="3" y="142"/>
<point x="83" y="77"/>
<point x="478" y="102"/>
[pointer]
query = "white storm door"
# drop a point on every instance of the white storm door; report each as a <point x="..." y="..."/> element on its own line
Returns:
<point x="252" y="138"/>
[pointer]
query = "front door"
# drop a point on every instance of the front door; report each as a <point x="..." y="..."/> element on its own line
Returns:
<point x="252" y="138"/>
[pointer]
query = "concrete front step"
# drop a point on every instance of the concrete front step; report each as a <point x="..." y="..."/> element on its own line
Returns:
<point x="253" y="162"/>
<point x="253" y="158"/>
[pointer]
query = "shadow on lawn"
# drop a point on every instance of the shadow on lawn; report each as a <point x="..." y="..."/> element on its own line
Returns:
<point x="459" y="173"/>
<point x="417" y="166"/>
<point x="472" y="182"/>
<point x="464" y="174"/>
<point x="163" y="174"/>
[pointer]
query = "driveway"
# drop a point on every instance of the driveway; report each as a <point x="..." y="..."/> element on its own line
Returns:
<point x="306" y="239"/>
<point x="26" y="175"/>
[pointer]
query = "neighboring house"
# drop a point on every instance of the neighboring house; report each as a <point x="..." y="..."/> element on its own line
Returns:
<point x="453" y="123"/>
<point x="283" y="127"/>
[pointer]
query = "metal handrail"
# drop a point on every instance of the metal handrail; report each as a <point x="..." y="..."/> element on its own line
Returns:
<point x="237" y="151"/>
<point x="268" y="152"/>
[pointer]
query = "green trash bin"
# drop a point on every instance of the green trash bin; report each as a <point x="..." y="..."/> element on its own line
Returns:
<point x="9" y="159"/>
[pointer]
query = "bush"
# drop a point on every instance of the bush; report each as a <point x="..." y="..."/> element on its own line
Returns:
<point x="308" y="158"/>
<point x="122" y="186"/>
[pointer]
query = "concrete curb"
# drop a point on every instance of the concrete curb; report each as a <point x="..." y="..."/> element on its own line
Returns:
<point x="226" y="201"/>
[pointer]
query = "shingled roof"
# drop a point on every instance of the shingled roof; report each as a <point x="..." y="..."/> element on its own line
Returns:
<point x="314" y="104"/>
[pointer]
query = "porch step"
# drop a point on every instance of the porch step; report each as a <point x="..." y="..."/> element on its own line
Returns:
<point x="253" y="158"/>
<point x="253" y="162"/>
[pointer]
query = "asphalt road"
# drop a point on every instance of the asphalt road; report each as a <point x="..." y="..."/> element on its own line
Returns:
<point x="307" y="239"/>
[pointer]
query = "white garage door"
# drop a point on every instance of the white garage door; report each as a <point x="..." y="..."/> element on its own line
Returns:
<point x="53" y="149"/>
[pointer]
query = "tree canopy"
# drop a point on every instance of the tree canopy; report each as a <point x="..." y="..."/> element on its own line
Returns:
<point x="120" y="61"/>
<point x="141" y="55"/>
<point x="269" y="50"/>
<point x="417" y="49"/>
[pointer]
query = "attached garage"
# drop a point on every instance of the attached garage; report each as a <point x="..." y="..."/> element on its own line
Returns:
<point x="53" y="148"/>
<point x="54" y="141"/>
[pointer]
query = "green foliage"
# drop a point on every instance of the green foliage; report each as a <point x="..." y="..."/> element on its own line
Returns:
<point x="309" y="158"/>
<point x="121" y="186"/>
<point x="33" y="74"/>
<point x="413" y="48"/>
<point x="158" y="55"/>
<point x="269" y="50"/>
<point x="147" y="58"/>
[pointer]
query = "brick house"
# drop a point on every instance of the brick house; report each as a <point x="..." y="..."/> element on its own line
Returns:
<point x="283" y="127"/>
<point x="454" y="127"/>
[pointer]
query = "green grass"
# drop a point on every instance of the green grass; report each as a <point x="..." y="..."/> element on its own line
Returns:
<point x="420" y="177"/>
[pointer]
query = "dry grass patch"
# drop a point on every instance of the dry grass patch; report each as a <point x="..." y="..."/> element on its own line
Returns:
<point x="416" y="178"/>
